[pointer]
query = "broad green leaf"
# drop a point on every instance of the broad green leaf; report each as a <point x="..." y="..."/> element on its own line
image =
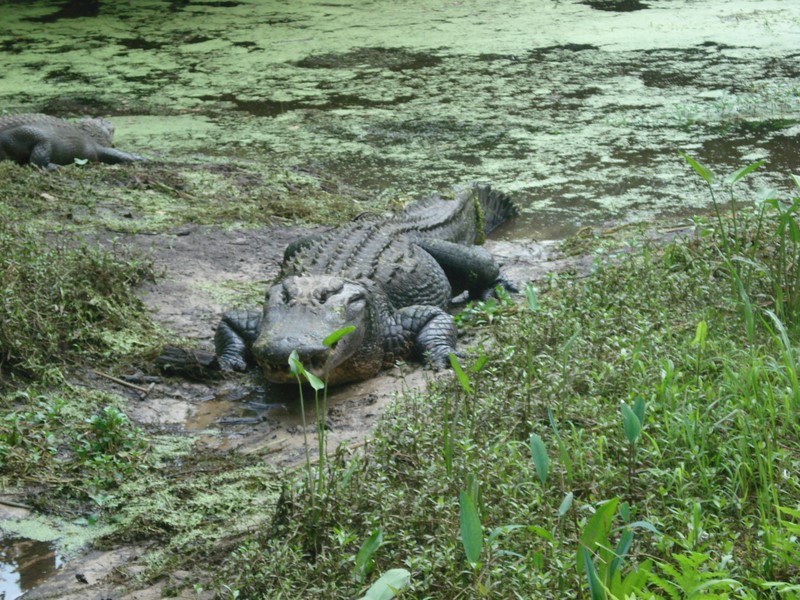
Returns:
<point x="645" y="525"/>
<point x="566" y="504"/>
<point x="364" y="556"/>
<point x="295" y="366"/>
<point x="314" y="381"/>
<point x="700" y="335"/>
<point x="704" y="172"/>
<point x="540" y="458"/>
<point x="391" y="583"/>
<point x="337" y="335"/>
<point x="471" y="530"/>
<point x="462" y="377"/>
<point x="597" y="529"/>
<point x="625" y="512"/>
<point x="638" y="409"/>
<point x="631" y="424"/>
<point x="533" y="300"/>
<point x="541" y="532"/>
<point x="796" y="180"/>
<point x="743" y="172"/>
<point x="479" y="364"/>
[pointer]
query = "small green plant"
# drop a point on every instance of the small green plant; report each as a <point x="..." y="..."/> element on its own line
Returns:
<point x="601" y="563"/>
<point x="692" y="578"/>
<point x="632" y="423"/>
<point x="364" y="564"/>
<point x="486" y="312"/>
<point x="391" y="584"/>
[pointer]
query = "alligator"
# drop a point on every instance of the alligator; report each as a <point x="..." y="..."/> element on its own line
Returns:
<point x="48" y="141"/>
<point x="392" y="278"/>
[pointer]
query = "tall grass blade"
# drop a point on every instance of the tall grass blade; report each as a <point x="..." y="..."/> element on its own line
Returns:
<point x="596" y="591"/>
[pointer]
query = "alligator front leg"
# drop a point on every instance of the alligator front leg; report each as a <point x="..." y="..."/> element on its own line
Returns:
<point x="41" y="154"/>
<point x="470" y="268"/>
<point x="235" y="334"/>
<point x="428" y="330"/>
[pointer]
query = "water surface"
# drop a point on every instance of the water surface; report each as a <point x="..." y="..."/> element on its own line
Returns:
<point x="579" y="109"/>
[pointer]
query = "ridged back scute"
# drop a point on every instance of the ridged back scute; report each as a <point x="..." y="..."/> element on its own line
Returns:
<point x="100" y="130"/>
<point x="358" y="248"/>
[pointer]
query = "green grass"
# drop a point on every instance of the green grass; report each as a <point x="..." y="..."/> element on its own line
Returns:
<point x="634" y="432"/>
<point x="694" y="483"/>
<point x="66" y="300"/>
<point x="157" y="197"/>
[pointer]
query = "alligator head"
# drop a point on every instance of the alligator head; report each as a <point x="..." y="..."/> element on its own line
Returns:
<point x="301" y="311"/>
<point x="99" y="129"/>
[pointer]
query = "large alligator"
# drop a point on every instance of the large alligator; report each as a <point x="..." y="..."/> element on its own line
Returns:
<point x="392" y="278"/>
<point x="48" y="141"/>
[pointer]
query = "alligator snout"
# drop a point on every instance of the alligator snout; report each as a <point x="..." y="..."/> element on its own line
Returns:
<point x="273" y="356"/>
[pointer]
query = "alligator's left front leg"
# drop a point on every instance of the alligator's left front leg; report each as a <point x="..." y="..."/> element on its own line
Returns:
<point x="234" y="337"/>
<point x="469" y="268"/>
<point x="428" y="330"/>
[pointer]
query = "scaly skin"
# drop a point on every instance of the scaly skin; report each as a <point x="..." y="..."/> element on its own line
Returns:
<point x="48" y="142"/>
<point x="390" y="278"/>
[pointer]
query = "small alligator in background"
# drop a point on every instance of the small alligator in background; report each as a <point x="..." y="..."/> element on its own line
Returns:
<point x="48" y="141"/>
<point x="392" y="278"/>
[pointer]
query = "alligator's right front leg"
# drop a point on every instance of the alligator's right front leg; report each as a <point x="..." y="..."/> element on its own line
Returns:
<point x="235" y="334"/>
<point x="428" y="330"/>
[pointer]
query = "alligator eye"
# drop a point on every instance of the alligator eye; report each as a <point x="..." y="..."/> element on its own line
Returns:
<point x="355" y="299"/>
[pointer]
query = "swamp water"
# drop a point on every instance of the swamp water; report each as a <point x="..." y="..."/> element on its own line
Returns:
<point x="579" y="108"/>
<point x="25" y="563"/>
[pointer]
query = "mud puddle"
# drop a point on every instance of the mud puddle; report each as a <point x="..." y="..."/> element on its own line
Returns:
<point x="25" y="564"/>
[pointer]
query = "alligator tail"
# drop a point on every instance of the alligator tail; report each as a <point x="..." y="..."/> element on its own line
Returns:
<point x="496" y="206"/>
